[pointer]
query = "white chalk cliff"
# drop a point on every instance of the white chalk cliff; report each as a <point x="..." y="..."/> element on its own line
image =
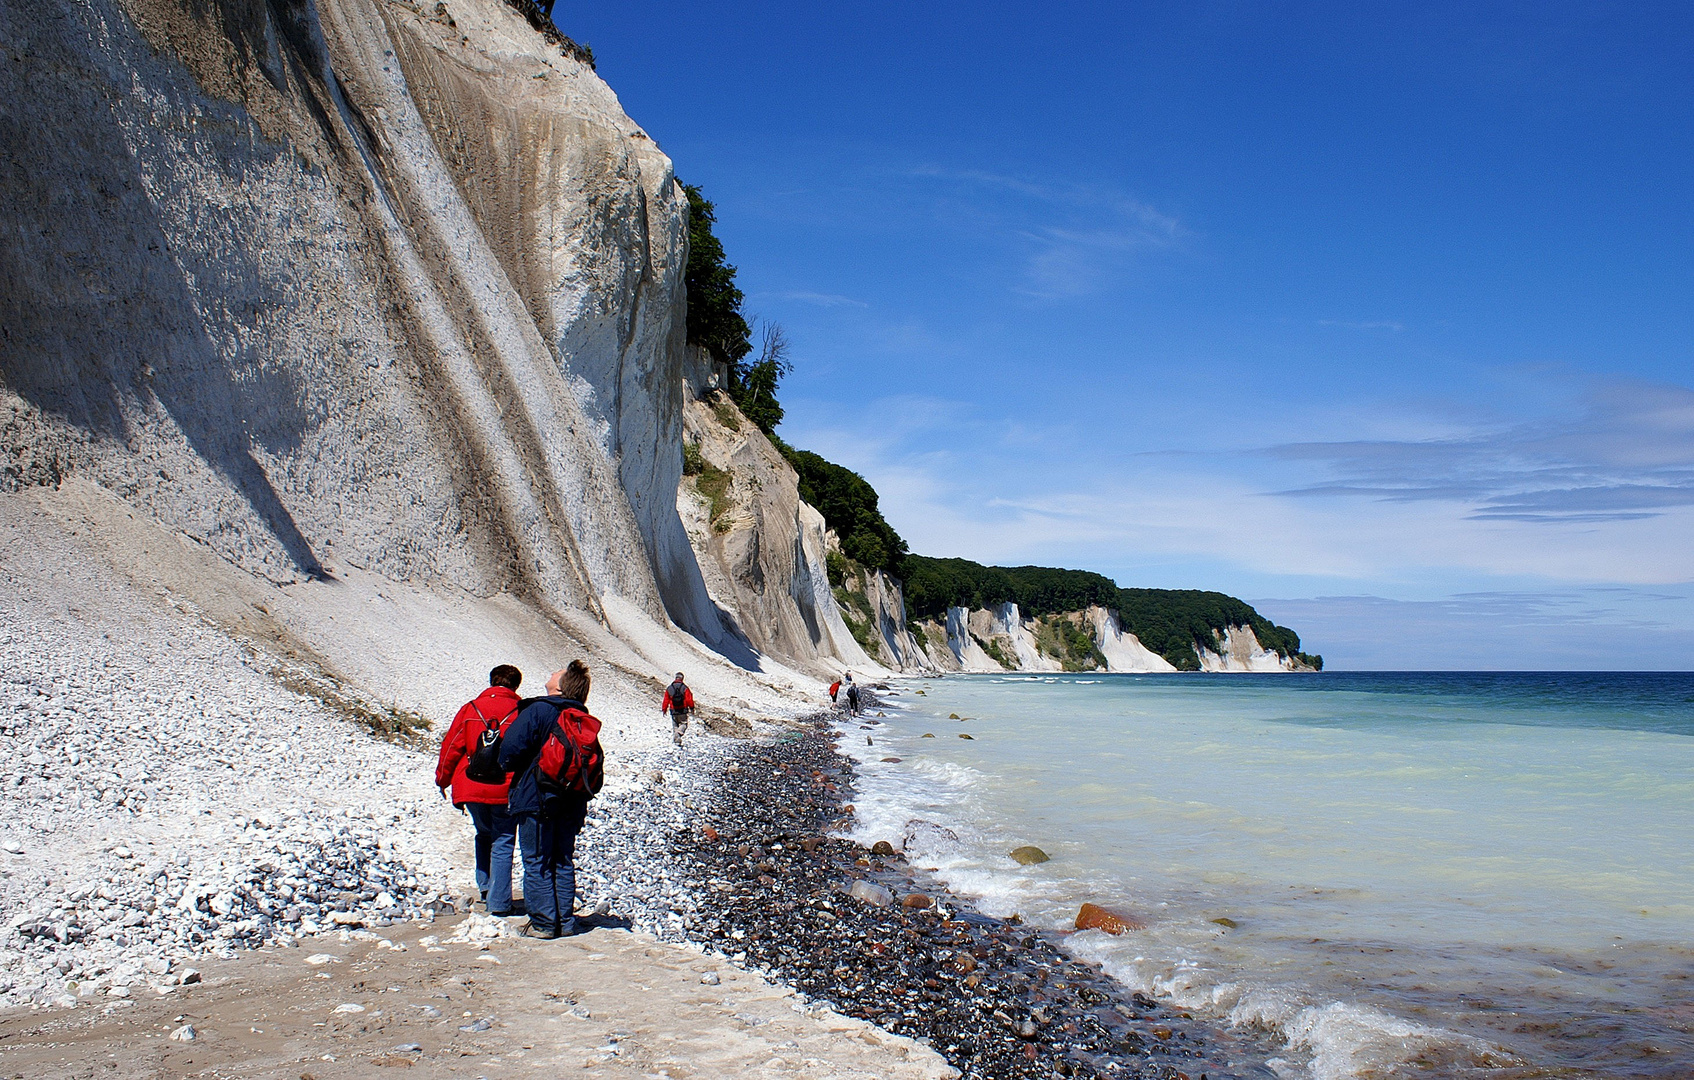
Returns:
<point x="1002" y="639"/>
<point x="762" y="549"/>
<point x="371" y="290"/>
<point x="384" y="298"/>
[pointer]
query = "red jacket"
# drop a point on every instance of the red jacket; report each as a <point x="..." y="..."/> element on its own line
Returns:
<point x="498" y="705"/>
<point x="686" y="703"/>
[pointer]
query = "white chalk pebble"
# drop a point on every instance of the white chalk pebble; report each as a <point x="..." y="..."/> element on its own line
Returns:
<point x="349" y="1007"/>
<point x="185" y="1033"/>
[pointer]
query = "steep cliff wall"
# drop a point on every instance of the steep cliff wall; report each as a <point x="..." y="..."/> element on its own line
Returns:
<point x="762" y="549"/>
<point x="354" y="287"/>
<point x="1123" y="651"/>
<point x="1001" y="639"/>
<point x="892" y="643"/>
<point x="1238" y="649"/>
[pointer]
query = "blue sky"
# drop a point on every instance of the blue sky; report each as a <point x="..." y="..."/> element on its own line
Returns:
<point x="1380" y="318"/>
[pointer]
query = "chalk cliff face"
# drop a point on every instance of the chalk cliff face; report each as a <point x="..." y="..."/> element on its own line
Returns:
<point x="761" y="548"/>
<point x="394" y="288"/>
<point x="1001" y="639"/>
<point x="1238" y="649"/>
<point x="364" y="283"/>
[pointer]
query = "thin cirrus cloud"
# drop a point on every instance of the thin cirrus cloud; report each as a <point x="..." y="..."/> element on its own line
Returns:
<point x="1072" y="238"/>
<point x="1628" y="456"/>
<point x="816" y="299"/>
<point x="1376" y="324"/>
<point x="1600" y="627"/>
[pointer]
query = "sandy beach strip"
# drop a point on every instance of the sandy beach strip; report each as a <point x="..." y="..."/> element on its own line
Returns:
<point x="608" y="1003"/>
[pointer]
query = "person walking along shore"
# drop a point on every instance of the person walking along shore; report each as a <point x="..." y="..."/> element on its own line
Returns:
<point x="549" y="819"/>
<point x="679" y="702"/>
<point x="479" y="725"/>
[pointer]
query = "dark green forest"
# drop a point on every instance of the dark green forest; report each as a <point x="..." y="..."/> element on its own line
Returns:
<point x="849" y="506"/>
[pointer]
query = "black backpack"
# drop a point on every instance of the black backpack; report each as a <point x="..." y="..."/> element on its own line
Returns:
<point x="484" y="764"/>
<point x="676" y="698"/>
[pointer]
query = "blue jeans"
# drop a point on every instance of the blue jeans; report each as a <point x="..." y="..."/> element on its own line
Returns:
<point x="549" y="869"/>
<point x="496" y="835"/>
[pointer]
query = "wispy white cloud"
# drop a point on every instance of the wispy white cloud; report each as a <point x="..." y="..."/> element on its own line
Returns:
<point x="1074" y="238"/>
<point x="1597" y="628"/>
<point x="816" y="299"/>
<point x="1499" y="504"/>
<point x="1628" y="455"/>
<point x="1377" y="324"/>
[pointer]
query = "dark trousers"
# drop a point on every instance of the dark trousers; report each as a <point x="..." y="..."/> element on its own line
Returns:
<point x="548" y="841"/>
<point x="496" y="836"/>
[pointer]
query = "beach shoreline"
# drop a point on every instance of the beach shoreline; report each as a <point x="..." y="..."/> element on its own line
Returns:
<point x="768" y="873"/>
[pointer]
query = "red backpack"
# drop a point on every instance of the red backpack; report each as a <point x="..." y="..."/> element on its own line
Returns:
<point x="572" y="761"/>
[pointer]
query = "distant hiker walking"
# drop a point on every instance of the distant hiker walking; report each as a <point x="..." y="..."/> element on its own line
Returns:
<point x="834" y="689"/>
<point x="470" y="765"/>
<point x="852" y="696"/>
<point x="557" y="764"/>
<point x="679" y="702"/>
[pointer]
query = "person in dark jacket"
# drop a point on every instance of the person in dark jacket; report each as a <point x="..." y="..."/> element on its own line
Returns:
<point x="548" y="822"/>
<point x="496" y="832"/>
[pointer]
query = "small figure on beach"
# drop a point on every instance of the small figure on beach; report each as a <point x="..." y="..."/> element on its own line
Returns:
<point x="852" y="696"/>
<point x="550" y="809"/>
<point x="470" y="764"/>
<point x="679" y="702"/>
<point x="834" y="689"/>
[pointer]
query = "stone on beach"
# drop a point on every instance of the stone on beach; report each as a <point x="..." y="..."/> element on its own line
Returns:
<point x="883" y="848"/>
<point x="875" y="895"/>
<point x="1095" y="917"/>
<point x="1029" y="855"/>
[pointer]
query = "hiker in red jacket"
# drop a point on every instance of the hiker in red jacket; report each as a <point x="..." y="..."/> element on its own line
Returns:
<point x="679" y="702"/>
<point x="485" y="719"/>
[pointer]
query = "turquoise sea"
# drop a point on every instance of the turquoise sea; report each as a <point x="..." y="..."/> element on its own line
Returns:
<point x="1428" y="874"/>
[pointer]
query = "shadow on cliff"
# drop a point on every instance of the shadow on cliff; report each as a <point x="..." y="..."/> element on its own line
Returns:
<point x="96" y="308"/>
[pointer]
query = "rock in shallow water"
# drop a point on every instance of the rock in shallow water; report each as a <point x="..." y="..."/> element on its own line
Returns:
<point x="1028" y="855"/>
<point x="1095" y="917"/>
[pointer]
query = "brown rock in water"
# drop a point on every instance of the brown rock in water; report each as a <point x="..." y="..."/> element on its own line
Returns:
<point x="1028" y="855"/>
<point x="709" y="833"/>
<point x="1227" y="924"/>
<point x="964" y="963"/>
<point x="916" y="900"/>
<point x="1161" y="1033"/>
<point x="952" y="716"/>
<point x="811" y="843"/>
<point x="929" y="735"/>
<point x="967" y="736"/>
<point x="1095" y="917"/>
<point x="882" y="847"/>
<point x="891" y="760"/>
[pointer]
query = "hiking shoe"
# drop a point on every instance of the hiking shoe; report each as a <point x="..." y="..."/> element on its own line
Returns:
<point x="508" y="913"/>
<point x="530" y="930"/>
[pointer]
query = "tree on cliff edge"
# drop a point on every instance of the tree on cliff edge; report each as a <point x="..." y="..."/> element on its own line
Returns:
<point x="715" y="321"/>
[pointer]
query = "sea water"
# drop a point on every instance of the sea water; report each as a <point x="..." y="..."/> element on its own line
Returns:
<point x="1377" y="875"/>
